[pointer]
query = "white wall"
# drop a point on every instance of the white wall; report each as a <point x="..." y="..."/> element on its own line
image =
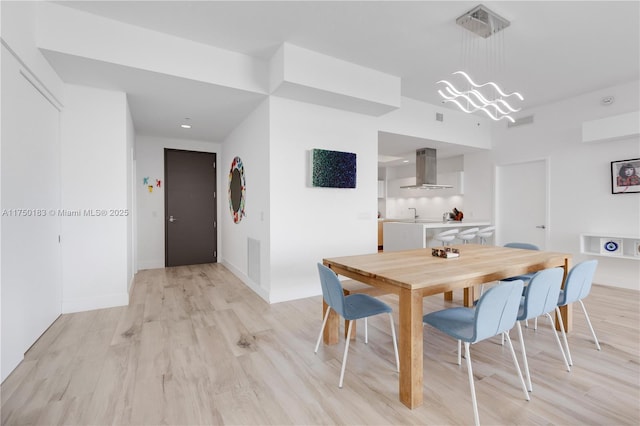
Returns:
<point x="478" y="186"/>
<point x="95" y="167"/>
<point x="250" y="142"/>
<point x="31" y="297"/>
<point x="31" y="291"/>
<point x="116" y="42"/>
<point x="149" y="153"/>
<point x="308" y="76"/>
<point x="309" y="224"/>
<point x="580" y="198"/>
<point x="418" y="119"/>
<point x="19" y="35"/>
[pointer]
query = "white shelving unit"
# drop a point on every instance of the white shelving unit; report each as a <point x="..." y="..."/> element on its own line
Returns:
<point x="617" y="246"/>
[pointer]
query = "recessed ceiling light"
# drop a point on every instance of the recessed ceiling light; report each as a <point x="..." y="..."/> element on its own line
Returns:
<point x="405" y="161"/>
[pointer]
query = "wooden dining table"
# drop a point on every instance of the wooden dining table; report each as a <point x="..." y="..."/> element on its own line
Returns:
<point x="414" y="274"/>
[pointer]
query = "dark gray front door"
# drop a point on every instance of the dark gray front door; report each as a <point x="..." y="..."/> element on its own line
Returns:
<point x="190" y="207"/>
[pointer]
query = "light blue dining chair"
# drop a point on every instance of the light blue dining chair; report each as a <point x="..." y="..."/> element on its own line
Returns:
<point x="495" y="313"/>
<point x="540" y="298"/>
<point x="525" y="246"/>
<point x="577" y="286"/>
<point x="351" y="308"/>
<point x="524" y="277"/>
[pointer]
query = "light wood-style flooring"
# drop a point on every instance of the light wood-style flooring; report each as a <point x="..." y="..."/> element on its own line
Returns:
<point x="197" y="347"/>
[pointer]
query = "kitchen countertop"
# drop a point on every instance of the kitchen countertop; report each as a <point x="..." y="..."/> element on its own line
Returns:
<point x="438" y="223"/>
<point x="409" y="235"/>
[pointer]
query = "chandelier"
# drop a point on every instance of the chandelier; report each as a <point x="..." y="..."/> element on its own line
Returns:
<point x="461" y="90"/>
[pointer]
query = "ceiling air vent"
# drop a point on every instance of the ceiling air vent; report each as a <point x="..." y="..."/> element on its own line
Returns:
<point x="439" y="116"/>
<point x="520" y="121"/>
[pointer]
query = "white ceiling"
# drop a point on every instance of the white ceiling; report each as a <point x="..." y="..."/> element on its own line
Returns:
<point x="551" y="51"/>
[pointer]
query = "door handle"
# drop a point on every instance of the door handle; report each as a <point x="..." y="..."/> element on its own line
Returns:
<point x="541" y="227"/>
<point x="171" y="219"/>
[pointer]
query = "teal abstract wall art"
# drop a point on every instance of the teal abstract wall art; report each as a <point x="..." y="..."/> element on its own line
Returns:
<point x="333" y="169"/>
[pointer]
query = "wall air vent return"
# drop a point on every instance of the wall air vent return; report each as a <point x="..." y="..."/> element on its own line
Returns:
<point x="520" y="121"/>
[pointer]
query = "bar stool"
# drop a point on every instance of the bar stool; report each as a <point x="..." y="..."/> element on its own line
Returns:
<point x="447" y="236"/>
<point x="468" y="235"/>
<point x="485" y="233"/>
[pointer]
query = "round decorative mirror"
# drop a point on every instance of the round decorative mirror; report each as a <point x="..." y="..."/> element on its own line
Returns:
<point x="236" y="189"/>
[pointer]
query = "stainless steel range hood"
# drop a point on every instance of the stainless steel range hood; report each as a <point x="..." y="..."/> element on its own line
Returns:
<point x="426" y="170"/>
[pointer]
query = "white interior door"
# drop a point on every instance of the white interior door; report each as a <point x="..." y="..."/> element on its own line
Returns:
<point x="521" y="203"/>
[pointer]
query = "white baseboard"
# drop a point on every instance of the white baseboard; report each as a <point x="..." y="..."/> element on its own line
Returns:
<point x="245" y="279"/>
<point x="82" y="304"/>
<point x="150" y="264"/>
<point x="287" y="294"/>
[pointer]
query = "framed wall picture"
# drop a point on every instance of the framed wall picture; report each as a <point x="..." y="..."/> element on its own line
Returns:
<point x="625" y="176"/>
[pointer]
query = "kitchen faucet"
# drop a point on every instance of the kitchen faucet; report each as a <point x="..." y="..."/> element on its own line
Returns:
<point x="415" y="212"/>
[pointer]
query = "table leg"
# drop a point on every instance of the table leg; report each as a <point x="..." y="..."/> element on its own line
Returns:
<point x="332" y="329"/>
<point x="566" y="311"/>
<point x="567" y="317"/>
<point x="469" y="296"/>
<point x="410" y="348"/>
<point x="353" y="329"/>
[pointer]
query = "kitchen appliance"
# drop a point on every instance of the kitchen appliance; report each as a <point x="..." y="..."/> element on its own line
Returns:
<point x="426" y="170"/>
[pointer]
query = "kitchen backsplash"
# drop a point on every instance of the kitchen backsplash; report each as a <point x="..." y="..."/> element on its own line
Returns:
<point x="426" y="208"/>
